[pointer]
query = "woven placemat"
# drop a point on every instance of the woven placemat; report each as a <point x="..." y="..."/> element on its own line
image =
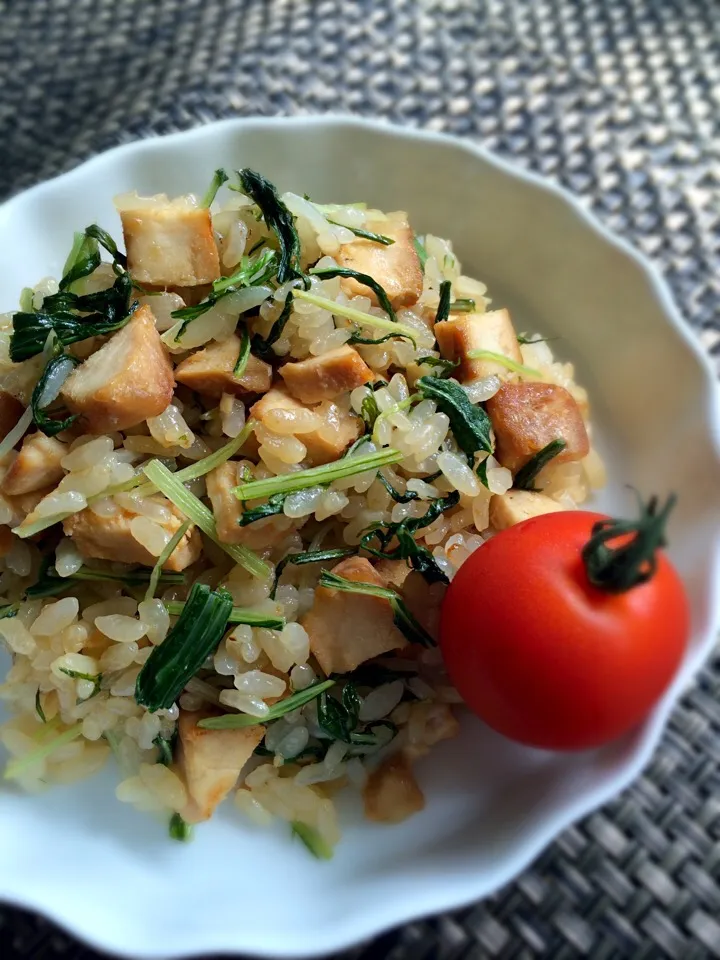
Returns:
<point x="619" y="100"/>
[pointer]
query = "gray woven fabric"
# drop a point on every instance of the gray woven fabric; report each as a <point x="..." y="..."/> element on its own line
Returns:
<point x="618" y="100"/>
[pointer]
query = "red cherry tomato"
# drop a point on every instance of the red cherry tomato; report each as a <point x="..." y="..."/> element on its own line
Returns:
<point x="545" y="657"/>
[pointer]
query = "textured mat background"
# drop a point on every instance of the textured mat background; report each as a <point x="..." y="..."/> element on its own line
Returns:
<point x="619" y="100"/>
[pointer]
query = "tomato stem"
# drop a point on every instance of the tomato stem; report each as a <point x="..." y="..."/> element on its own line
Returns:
<point x="633" y="561"/>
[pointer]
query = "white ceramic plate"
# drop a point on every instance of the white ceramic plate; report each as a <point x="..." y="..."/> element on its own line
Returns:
<point x="113" y="877"/>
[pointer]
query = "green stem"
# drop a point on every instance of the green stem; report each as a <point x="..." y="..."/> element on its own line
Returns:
<point x="633" y="560"/>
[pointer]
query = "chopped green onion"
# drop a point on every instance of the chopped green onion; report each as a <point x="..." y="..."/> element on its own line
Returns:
<point x="231" y="721"/>
<point x="163" y="559"/>
<point x="16" y="768"/>
<point x="526" y="475"/>
<point x="357" y="316"/>
<point x="317" y="846"/>
<point x="313" y="476"/>
<point x="503" y="361"/>
<point x="187" y="646"/>
<point x="179" y="829"/>
<point x="237" y="615"/>
<point x="196" y="511"/>
<point x="219" y="178"/>
<point x="406" y="623"/>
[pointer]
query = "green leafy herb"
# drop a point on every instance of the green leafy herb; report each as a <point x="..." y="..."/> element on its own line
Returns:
<point x="315" y="476"/>
<point x="522" y="339"/>
<point x="17" y="767"/>
<point x="84" y="259"/>
<point x="237" y="615"/>
<point x="38" y="707"/>
<point x="443" y="310"/>
<point x="369" y="341"/>
<point x="179" y="829"/>
<point x="50" y="584"/>
<point x="219" y="178"/>
<point x="311" y="556"/>
<point x="46" y="390"/>
<point x="419" y="557"/>
<point x="198" y="469"/>
<point x="445" y="367"/>
<point x="263" y="347"/>
<point x="317" y="846"/>
<point x="462" y="305"/>
<point x="395" y="494"/>
<point x="358" y="317"/>
<point x="503" y="361"/>
<point x="470" y="424"/>
<point x="272" y="508"/>
<point x="525" y="477"/>
<point x="482" y="472"/>
<point x="72" y="318"/>
<point x="244" y="354"/>
<point x="369" y="409"/>
<point x="167" y="552"/>
<point x="27" y="296"/>
<point x="106" y="241"/>
<point x="251" y="272"/>
<point x="189" y="643"/>
<point x="166" y="749"/>
<point x="406" y="623"/>
<point x="231" y="721"/>
<point x="328" y="273"/>
<point x="364" y="234"/>
<point x="314" y="752"/>
<point x="339" y="718"/>
<point x="421" y="252"/>
<point x="94" y="678"/>
<point x="202" y="517"/>
<point x="390" y="412"/>
<point x="279" y="220"/>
